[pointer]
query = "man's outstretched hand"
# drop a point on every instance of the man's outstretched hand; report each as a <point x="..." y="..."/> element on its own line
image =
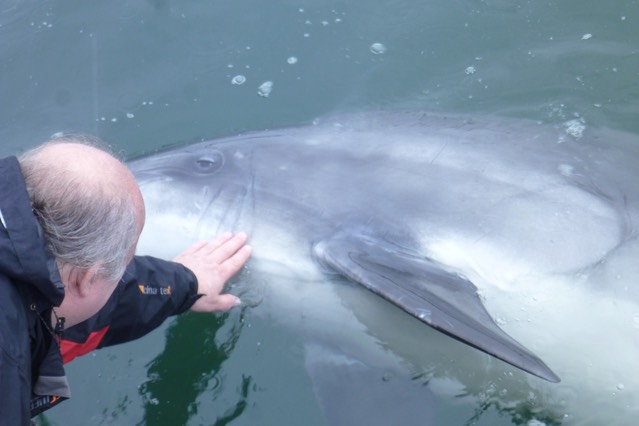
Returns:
<point x="214" y="263"/>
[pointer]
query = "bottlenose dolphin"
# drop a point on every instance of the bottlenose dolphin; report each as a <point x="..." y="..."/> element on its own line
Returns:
<point x="463" y="223"/>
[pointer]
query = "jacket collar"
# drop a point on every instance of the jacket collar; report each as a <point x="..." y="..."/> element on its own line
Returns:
<point x="24" y="252"/>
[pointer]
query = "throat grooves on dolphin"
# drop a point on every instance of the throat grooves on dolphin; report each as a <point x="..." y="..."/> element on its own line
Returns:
<point x="243" y="198"/>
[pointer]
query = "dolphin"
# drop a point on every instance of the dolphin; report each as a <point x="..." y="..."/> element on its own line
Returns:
<point x="469" y="225"/>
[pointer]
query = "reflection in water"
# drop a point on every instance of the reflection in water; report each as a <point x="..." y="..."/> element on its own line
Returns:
<point x="196" y="347"/>
<point x="522" y="413"/>
<point x="479" y="391"/>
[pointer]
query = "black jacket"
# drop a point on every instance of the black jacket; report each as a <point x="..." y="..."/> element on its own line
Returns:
<point x="32" y="377"/>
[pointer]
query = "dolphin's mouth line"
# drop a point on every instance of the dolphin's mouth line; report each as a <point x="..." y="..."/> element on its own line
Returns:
<point x="150" y="177"/>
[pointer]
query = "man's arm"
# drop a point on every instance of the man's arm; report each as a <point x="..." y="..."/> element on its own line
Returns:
<point x="153" y="290"/>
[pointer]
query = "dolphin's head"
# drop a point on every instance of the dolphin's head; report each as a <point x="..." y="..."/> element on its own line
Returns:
<point x="193" y="192"/>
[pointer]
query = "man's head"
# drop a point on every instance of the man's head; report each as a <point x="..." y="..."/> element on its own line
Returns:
<point x="92" y="213"/>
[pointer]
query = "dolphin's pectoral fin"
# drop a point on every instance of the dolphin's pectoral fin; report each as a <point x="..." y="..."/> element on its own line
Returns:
<point x="382" y="398"/>
<point x="422" y="287"/>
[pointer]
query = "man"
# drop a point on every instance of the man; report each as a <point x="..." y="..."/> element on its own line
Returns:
<point x="70" y="218"/>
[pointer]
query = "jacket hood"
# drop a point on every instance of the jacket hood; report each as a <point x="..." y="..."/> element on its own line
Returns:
<point x="24" y="253"/>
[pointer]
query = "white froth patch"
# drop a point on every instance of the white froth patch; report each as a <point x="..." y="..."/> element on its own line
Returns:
<point x="575" y="127"/>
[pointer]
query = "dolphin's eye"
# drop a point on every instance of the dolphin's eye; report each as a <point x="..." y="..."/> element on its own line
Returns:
<point x="209" y="163"/>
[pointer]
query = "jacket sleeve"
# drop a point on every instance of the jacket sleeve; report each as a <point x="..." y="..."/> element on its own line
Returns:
<point x="150" y="291"/>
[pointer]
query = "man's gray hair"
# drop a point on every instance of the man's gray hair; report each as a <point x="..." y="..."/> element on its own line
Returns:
<point x="85" y="224"/>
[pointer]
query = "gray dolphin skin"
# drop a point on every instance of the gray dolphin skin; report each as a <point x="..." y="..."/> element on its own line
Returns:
<point x="463" y="223"/>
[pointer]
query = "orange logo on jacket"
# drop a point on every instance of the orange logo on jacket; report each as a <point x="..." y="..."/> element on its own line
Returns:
<point x="148" y="290"/>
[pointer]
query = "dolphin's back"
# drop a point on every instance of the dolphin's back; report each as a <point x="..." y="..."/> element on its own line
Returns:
<point x="499" y="179"/>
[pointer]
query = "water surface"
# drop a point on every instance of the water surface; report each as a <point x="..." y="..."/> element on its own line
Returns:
<point x="147" y="74"/>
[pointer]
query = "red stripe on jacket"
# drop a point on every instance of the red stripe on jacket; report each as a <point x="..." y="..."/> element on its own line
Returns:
<point x="70" y="350"/>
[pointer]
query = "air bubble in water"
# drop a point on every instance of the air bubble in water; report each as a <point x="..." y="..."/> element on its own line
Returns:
<point x="238" y="79"/>
<point x="377" y="49"/>
<point x="265" y="89"/>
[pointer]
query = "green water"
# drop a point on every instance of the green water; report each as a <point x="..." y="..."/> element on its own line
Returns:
<point x="146" y="74"/>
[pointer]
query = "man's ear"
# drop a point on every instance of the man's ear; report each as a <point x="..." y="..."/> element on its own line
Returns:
<point x="82" y="280"/>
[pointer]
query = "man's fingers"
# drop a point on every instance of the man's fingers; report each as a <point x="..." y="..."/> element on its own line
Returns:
<point x="234" y="263"/>
<point x="220" y="249"/>
<point x="192" y="249"/>
<point x="220" y="303"/>
<point x="226" y="302"/>
<point x="219" y="241"/>
<point x="229" y="248"/>
<point x="213" y="264"/>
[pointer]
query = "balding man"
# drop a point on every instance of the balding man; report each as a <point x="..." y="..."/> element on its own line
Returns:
<point x="70" y="218"/>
